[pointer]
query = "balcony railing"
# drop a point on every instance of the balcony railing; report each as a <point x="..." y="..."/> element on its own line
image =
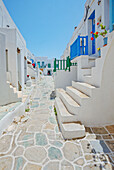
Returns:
<point x="79" y="47"/>
<point x="63" y="64"/>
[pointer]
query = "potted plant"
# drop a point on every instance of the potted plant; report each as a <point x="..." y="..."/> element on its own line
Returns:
<point x="102" y="33"/>
<point x="99" y="51"/>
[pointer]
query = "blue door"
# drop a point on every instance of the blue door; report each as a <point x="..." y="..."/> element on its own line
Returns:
<point x="93" y="42"/>
<point x="92" y="18"/>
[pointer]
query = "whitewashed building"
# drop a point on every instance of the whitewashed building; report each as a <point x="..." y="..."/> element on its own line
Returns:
<point x="96" y="11"/>
<point x="89" y="100"/>
<point x="32" y="67"/>
<point x="13" y="59"/>
<point x="45" y="64"/>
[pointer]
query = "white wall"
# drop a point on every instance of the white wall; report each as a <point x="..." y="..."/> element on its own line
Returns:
<point x="31" y="71"/>
<point x="14" y="41"/>
<point x="99" y="108"/>
<point x="64" y="78"/>
<point x="7" y="94"/>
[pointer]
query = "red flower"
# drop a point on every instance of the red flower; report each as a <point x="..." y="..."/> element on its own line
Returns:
<point x="98" y="23"/>
<point x="27" y="75"/>
<point x="33" y="64"/>
<point x="91" y="32"/>
<point x="97" y="33"/>
<point x="92" y="38"/>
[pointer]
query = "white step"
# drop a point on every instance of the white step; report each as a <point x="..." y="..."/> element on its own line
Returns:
<point x="77" y="95"/>
<point x="71" y="105"/>
<point x="84" y="87"/>
<point x="62" y="113"/>
<point x="72" y="130"/>
<point x="86" y="71"/>
<point x="17" y="95"/>
<point x="88" y="79"/>
<point x="91" y="62"/>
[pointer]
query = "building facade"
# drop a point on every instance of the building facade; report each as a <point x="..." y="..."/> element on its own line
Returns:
<point x="45" y="64"/>
<point x="13" y="58"/>
<point x="96" y="11"/>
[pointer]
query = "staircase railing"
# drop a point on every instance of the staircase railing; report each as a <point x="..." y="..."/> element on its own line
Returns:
<point x="63" y="64"/>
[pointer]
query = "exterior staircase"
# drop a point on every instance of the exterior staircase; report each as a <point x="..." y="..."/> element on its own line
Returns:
<point x="88" y="100"/>
<point x="68" y="104"/>
<point x="16" y="96"/>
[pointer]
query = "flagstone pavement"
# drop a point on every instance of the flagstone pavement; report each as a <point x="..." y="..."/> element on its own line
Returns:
<point x="37" y="143"/>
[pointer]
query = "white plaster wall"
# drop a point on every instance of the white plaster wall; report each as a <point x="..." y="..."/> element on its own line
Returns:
<point x="30" y="55"/>
<point x="31" y="71"/>
<point x="7" y="94"/>
<point x="22" y="46"/>
<point x="14" y="41"/>
<point x="12" y="53"/>
<point x="99" y="109"/>
<point x="64" y="78"/>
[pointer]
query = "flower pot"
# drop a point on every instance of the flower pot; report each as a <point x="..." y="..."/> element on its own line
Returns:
<point x="105" y="41"/>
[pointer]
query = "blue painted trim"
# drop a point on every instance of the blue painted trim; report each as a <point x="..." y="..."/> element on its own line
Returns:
<point x="77" y="49"/>
<point x="32" y="61"/>
<point x="92" y="17"/>
<point x="111" y="9"/>
<point x="93" y="42"/>
<point x="105" y="40"/>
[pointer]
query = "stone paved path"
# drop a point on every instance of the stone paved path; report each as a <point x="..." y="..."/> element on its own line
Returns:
<point x="36" y="142"/>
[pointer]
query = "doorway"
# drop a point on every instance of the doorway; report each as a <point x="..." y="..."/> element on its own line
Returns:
<point x="92" y="29"/>
<point x="49" y="73"/>
<point x="6" y="60"/>
<point x="19" y="68"/>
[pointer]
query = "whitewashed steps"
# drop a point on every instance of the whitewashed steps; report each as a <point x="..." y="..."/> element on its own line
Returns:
<point x="62" y="113"/>
<point x="72" y="130"/>
<point x="86" y="71"/>
<point x="83" y="87"/>
<point x="77" y="95"/>
<point x="71" y="105"/>
<point x="68" y="123"/>
<point x="88" y="79"/>
<point x="16" y="95"/>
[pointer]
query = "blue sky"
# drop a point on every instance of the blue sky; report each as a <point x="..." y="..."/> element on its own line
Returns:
<point x="46" y="25"/>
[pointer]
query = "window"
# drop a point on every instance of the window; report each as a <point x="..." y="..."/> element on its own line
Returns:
<point x="38" y="64"/>
<point x="42" y="63"/>
<point x="49" y="65"/>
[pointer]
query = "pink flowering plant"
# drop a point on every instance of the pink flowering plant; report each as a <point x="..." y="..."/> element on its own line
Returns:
<point x="102" y="33"/>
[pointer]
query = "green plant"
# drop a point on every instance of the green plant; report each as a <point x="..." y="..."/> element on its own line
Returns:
<point x="27" y="110"/>
<point x="55" y="111"/>
<point x="102" y="33"/>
